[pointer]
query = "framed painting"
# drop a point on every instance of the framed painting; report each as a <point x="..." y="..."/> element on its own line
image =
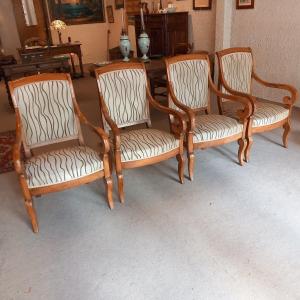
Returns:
<point x="74" y="12"/>
<point x="110" y="14"/>
<point x="119" y="4"/>
<point x="244" y="4"/>
<point x="202" y="4"/>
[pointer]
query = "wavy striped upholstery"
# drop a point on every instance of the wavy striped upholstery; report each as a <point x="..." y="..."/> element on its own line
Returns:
<point x="61" y="166"/>
<point x="146" y="143"/>
<point x="215" y="127"/>
<point x="237" y="71"/>
<point x="268" y="113"/>
<point x="190" y="82"/>
<point x="46" y="110"/>
<point x="124" y="92"/>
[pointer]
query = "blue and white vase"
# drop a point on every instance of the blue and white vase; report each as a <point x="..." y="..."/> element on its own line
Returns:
<point x="144" y="43"/>
<point x="125" y="46"/>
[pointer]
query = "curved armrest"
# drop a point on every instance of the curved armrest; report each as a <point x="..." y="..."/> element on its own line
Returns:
<point x="189" y="112"/>
<point x="98" y="130"/>
<point x="286" y="100"/>
<point x="177" y="115"/>
<point x="18" y="164"/>
<point x="241" y="98"/>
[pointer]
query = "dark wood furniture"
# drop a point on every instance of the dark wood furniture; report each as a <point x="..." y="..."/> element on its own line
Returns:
<point x="50" y="51"/>
<point x="236" y="76"/>
<point x="50" y="115"/>
<point x="6" y="60"/>
<point x="204" y="129"/>
<point x="168" y="33"/>
<point x="130" y="106"/>
<point x="14" y="71"/>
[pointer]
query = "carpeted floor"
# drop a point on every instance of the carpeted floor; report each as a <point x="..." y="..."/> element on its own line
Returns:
<point x="233" y="233"/>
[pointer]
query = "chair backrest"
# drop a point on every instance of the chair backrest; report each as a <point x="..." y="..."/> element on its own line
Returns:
<point x="188" y="77"/>
<point x="236" y="65"/>
<point x="122" y="88"/>
<point x="45" y="105"/>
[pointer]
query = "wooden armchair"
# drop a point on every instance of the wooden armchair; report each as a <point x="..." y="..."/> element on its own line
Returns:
<point x="236" y="67"/>
<point x="47" y="113"/>
<point x="124" y="101"/>
<point x="190" y="85"/>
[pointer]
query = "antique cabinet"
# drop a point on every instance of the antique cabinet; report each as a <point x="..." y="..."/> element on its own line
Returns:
<point x="168" y="33"/>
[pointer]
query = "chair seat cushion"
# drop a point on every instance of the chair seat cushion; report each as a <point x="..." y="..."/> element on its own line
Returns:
<point x="62" y="165"/>
<point x="269" y="113"/>
<point x="215" y="127"/>
<point x="146" y="143"/>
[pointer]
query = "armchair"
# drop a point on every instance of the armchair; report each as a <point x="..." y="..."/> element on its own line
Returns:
<point x="236" y="66"/>
<point x="190" y="85"/>
<point x="124" y="101"/>
<point x="47" y="113"/>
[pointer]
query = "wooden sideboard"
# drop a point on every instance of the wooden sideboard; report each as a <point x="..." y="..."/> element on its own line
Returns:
<point x="168" y="33"/>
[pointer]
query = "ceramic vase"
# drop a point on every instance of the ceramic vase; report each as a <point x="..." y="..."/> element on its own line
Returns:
<point x="144" y="43"/>
<point x="125" y="46"/>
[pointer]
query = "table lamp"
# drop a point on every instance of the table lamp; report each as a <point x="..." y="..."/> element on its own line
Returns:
<point x="58" y="25"/>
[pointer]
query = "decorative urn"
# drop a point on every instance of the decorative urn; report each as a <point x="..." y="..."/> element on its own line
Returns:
<point x="144" y="43"/>
<point x="125" y="46"/>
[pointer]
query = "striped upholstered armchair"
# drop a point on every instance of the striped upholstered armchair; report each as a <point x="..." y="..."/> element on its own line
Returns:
<point x="190" y="85"/>
<point x="124" y="101"/>
<point x="236" y="67"/>
<point x="46" y="114"/>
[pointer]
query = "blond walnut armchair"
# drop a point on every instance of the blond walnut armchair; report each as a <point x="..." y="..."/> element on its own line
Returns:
<point x="236" y="76"/>
<point x="124" y="101"/>
<point x="190" y="85"/>
<point x="46" y="114"/>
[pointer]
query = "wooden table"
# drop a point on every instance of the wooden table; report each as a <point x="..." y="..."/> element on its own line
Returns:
<point x="29" y="53"/>
<point x="15" y="71"/>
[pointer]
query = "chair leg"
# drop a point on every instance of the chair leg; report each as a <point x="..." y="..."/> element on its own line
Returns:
<point x="109" y="192"/>
<point x="118" y="166"/>
<point x="180" y="160"/>
<point x="248" y="148"/>
<point x="190" y="155"/>
<point x="29" y="205"/>
<point x="242" y="147"/>
<point x="287" y="129"/>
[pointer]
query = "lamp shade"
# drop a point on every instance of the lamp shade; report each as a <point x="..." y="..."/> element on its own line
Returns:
<point x="58" y="24"/>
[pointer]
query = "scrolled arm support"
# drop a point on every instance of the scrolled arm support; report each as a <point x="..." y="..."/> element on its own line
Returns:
<point x="287" y="100"/>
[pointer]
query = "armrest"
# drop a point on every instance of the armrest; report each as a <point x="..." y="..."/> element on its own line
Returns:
<point x="244" y="99"/>
<point x="189" y="112"/>
<point x="177" y="115"/>
<point x="286" y="100"/>
<point x="98" y="130"/>
<point x="18" y="164"/>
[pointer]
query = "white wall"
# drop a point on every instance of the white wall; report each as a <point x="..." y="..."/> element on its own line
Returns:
<point x="272" y="30"/>
<point x="8" y="28"/>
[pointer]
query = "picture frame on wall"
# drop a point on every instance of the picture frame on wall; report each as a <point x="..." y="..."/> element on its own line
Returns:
<point x="110" y="14"/>
<point x="202" y="4"/>
<point x="244" y="4"/>
<point x="72" y="13"/>
<point x="119" y="4"/>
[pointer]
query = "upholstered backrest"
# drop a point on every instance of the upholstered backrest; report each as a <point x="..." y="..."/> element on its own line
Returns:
<point x="46" y="111"/>
<point x="124" y="94"/>
<point x="189" y="79"/>
<point x="237" y="71"/>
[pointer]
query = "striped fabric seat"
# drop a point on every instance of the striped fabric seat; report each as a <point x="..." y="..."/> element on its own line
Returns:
<point x="266" y="113"/>
<point x="215" y="127"/>
<point x="269" y="113"/>
<point x="60" y="166"/>
<point x="146" y="143"/>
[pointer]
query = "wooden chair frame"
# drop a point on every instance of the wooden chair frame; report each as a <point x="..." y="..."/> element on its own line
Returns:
<point x="177" y="131"/>
<point x="28" y="193"/>
<point x="243" y="115"/>
<point x="288" y="101"/>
